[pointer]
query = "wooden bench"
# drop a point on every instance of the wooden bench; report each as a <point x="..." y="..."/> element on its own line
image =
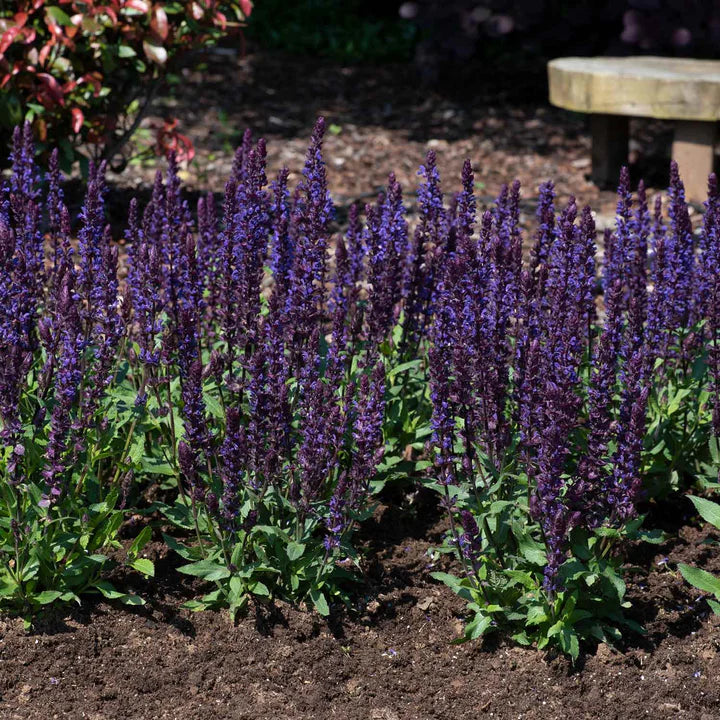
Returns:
<point x="613" y="89"/>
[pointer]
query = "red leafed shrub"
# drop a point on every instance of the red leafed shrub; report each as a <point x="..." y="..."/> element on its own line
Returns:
<point x="83" y="72"/>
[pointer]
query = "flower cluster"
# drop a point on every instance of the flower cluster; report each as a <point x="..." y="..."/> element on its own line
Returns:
<point x="538" y="398"/>
<point x="267" y="369"/>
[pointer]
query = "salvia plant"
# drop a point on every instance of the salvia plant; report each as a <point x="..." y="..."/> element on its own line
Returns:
<point x="556" y="418"/>
<point x="62" y="337"/>
<point x="267" y="389"/>
<point x="249" y="378"/>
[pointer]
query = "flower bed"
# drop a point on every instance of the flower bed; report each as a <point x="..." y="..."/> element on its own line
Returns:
<point x="256" y="381"/>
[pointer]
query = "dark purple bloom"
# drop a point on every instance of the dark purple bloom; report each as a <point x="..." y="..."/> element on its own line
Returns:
<point x="250" y="238"/>
<point x="640" y="230"/>
<point x="424" y="257"/>
<point x="310" y="224"/>
<point x="283" y="243"/>
<point x="708" y="295"/>
<point x="189" y="467"/>
<point x="368" y="412"/>
<point x="232" y="454"/>
<point x="471" y="539"/>
<point x="67" y="387"/>
<point x="444" y="407"/>
<point x="337" y="519"/>
<point x="321" y="430"/>
<point x="386" y="240"/>
<point x="626" y="479"/>
<point x="24" y="189"/>
<point x="681" y="248"/>
<point x="145" y="286"/>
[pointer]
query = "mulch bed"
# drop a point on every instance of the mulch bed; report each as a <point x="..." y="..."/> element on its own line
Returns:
<point x="382" y="119"/>
<point x="390" y="657"/>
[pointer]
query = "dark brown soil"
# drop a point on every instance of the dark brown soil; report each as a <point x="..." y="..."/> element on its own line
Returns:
<point x="392" y="657"/>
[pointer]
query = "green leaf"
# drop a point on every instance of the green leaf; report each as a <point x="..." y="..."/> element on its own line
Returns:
<point x="7" y="588"/>
<point x="111" y="593"/>
<point x="108" y="590"/>
<point x="206" y="569"/>
<point x="59" y="16"/>
<point x="194" y="605"/>
<point x="132" y="600"/>
<point x="411" y="365"/>
<point x="477" y="627"/>
<point x="522" y="577"/>
<point x="177" y="514"/>
<point x="259" y="588"/>
<point x="295" y="550"/>
<point x="213" y="406"/>
<point x="144" y="566"/>
<point x="125" y="51"/>
<point x="532" y="552"/>
<point x="140" y="541"/>
<point x="654" y="537"/>
<point x="714" y="606"/>
<point x="319" y="601"/>
<point x="450" y="580"/>
<point x="569" y="642"/>
<point x="714" y="447"/>
<point x="156" y="466"/>
<point x="181" y="550"/>
<point x="616" y="581"/>
<point x="709" y="511"/>
<point x="700" y="579"/>
<point x="47" y="596"/>
<point x="238" y="606"/>
<point x="499" y="505"/>
<point x="536" y="615"/>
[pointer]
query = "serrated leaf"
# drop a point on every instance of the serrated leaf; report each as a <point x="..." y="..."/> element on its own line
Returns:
<point x="450" y="580"/>
<point x="319" y="601"/>
<point x="536" y="615"/>
<point x="178" y="515"/>
<point x="295" y="550"/>
<point x="569" y="642"/>
<point x="181" y="550"/>
<point x="213" y="406"/>
<point x="108" y="591"/>
<point x="477" y="627"/>
<point x="194" y="605"/>
<point x="144" y="566"/>
<point x="701" y="579"/>
<point x="708" y="510"/>
<point x="140" y="541"/>
<point x="206" y="569"/>
<point x="156" y="466"/>
<point x="714" y="448"/>
<point x="47" y="596"/>
<point x="132" y="600"/>
<point x="259" y="588"/>
<point x="403" y="367"/>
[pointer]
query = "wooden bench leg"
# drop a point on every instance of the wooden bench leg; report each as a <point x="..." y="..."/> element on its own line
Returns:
<point x="609" y="148"/>
<point x="693" y="150"/>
